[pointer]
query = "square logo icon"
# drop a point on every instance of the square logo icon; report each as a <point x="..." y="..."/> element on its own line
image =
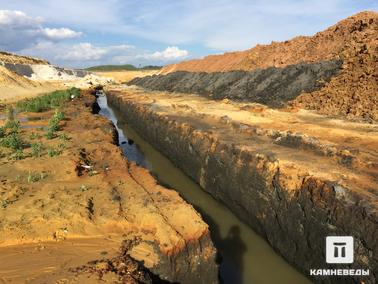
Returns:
<point x="339" y="249"/>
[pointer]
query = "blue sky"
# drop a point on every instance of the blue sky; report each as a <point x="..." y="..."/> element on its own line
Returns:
<point x="81" y="33"/>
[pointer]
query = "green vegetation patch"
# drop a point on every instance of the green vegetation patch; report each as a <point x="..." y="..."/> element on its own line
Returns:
<point x="54" y="124"/>
<point x="36" y="176"/>
<point x="49" y="101"/>
<point x="10" y="135"/>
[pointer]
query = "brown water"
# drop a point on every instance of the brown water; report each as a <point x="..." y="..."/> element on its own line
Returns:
<point x="244" y="256"/>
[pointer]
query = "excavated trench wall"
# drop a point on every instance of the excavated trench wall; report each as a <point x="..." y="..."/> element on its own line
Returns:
<point x="291" y="209"/>
<point x="271" y="86"/>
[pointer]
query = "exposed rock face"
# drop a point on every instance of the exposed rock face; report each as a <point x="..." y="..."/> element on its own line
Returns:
<point x="91" y="191"/>
<point x="282" y="173"/>
<point x="272" y="86"/>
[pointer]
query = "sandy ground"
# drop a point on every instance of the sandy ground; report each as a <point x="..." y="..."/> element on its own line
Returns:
<point x="14" y="87"/>
<point x="125" y="76"/>
<point x="85" y="200"/>
<point x="10" y="94"/>
<point x="340" y="151"/>
<point x="49" y="262"/>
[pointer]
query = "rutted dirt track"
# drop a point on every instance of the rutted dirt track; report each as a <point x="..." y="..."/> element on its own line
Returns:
<point x="87" y="212"/>
<point x="295" y="177"/>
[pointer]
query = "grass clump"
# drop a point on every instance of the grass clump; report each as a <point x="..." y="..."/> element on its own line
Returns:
<point x="12" y="141"/>
<point x="37" y="149"/>
<point x="10" y="135"/>
<point x="35" y="176"/>
<point x="18" y="155"/>
<point x="54" y="152"/>
<point x="34" y="136"/>
<point x="49" y="101"/>
<point x="64" y="137"/>
<point x="54" y="124"/>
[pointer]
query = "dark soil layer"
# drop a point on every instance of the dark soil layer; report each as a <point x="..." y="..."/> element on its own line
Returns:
<point x="272" y="86"/>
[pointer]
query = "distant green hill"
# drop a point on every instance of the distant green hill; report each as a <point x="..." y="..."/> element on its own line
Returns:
<point x="125" y="67"/>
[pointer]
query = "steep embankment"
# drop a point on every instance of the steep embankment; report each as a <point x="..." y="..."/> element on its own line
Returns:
<point x="14" y="86"/>
<point x="351" y="92"/>
<point x="23" y="76"/>
<point x="8" y="57"/>
<point x="280" y="172"/>
<point x="74" y="207"/>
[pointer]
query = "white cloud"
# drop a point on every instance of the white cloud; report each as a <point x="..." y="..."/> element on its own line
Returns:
<point x="202" y="27"/>
<point x="83" y="51"/>
<point x="17" y="19"/>
<point x="87" y="54"/>
<point x="60" y="34"/>
<point x="19" y="31"/>
<point x="170" y="53"/>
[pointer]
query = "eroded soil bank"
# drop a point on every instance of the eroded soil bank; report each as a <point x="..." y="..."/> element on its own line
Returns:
<point x="281" y="172"/>
<point x="74" y="210"/>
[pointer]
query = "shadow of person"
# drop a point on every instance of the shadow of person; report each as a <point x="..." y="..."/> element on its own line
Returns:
<point x="232" y="250"/>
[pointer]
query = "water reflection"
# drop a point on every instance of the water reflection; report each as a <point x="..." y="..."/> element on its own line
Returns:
<point x="244" y="257"/>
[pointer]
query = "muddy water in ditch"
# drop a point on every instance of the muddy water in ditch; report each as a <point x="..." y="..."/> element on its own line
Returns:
<point x="245" y="257"/>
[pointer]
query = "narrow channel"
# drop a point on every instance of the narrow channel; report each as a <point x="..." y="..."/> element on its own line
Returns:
<point x="245" y="257"/>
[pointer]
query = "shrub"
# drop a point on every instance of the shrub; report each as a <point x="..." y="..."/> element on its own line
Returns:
<point x="12" y="126"/>
<point x="19" y="154"/>
<point x="37" y="149"/>
<point x="54" y="124"/>
<point x="35" y="176"/>
<point x="50" y="134"/>
<point x="13" y="141"/>
<point x="64" y="137"/>
<point x="53" y="152"/>
<point x="49" y="101"/>
<point x="34" y="135"/>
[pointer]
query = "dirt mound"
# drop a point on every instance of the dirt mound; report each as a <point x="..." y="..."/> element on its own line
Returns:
<point x="271" y="86"/>
<point x="351" y="93"/>
<point x="19" y="59"/>
<point x="325" y="45"/>
<point x="9" y="78"/>
<point x="14" y="87"/>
